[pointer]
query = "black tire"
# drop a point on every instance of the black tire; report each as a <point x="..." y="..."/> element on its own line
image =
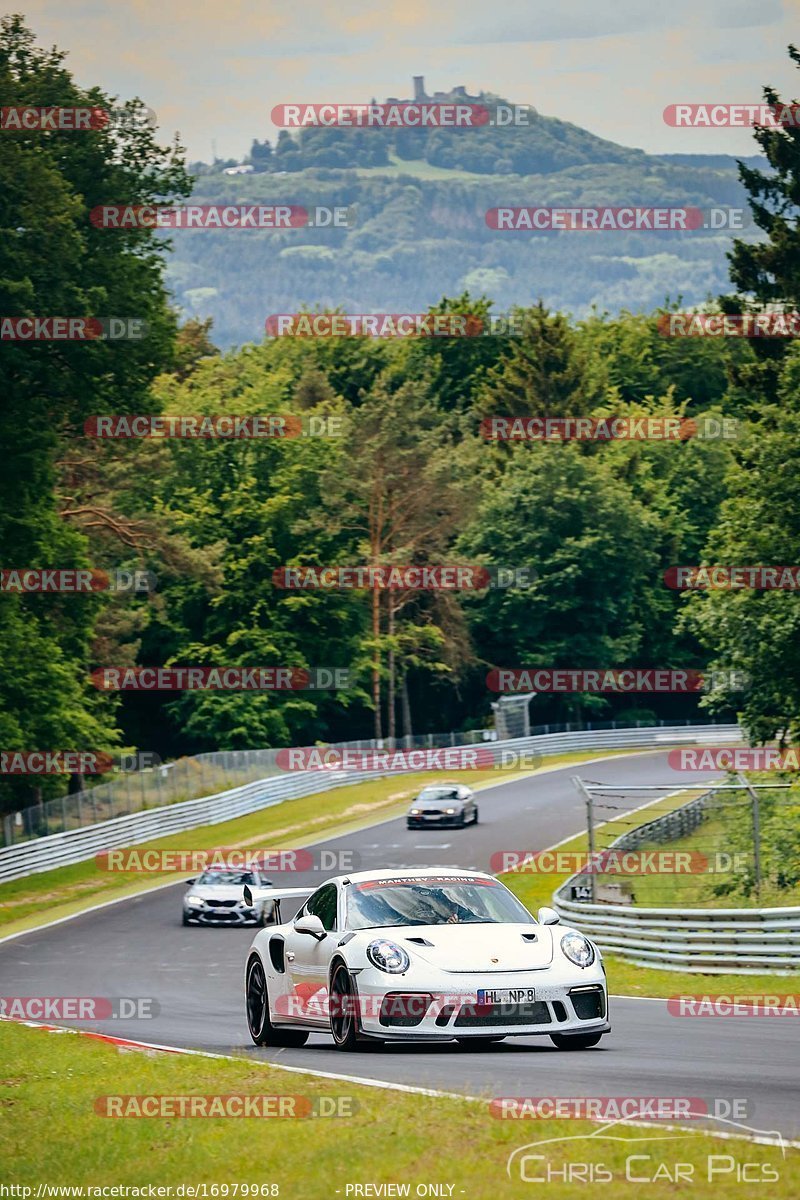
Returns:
<point x="186" y="920"/>
<point x="575" y="1041"/>
<point x="262" y="1031"/>
<point x="478" y="1043"/>
<point x="344" y="1017"/>
<point x="463" y="822"/>
<point x="475" y="818"/>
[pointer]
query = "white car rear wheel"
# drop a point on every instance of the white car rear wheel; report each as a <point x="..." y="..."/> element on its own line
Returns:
<point x="262" y="1031"/>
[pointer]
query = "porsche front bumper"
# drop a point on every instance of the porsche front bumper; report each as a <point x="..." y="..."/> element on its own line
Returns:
<point x="400" y="1009"/>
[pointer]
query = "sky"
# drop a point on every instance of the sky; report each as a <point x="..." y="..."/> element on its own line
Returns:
<point x="214" y="71"/>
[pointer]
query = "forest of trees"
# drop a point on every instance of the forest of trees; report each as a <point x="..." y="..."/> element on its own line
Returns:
<point x="409" y="480"/>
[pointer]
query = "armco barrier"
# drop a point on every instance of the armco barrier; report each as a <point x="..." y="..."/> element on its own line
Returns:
<point x="77" y="845"/>
<point x="713" y="941"/>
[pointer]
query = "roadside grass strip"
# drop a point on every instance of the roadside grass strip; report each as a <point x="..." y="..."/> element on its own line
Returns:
<point x="624" y="978"/>
<point x="56" y="1086"/>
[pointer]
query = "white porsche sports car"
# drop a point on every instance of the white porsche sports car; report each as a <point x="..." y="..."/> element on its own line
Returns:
<point x="430" y="953"/>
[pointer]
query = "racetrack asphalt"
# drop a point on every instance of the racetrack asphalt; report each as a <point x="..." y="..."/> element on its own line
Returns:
<point x="139" y="948"/>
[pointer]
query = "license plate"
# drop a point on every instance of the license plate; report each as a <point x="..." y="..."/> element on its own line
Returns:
<point x="506" y="995"/>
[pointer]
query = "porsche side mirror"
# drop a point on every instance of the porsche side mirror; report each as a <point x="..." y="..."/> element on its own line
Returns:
<point x="548" y="916"/>
<point x="310" y="925"/>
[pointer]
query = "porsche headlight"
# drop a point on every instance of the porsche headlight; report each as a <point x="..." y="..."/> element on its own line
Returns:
<point x="414" y="812"/>
<point x="449" y="811"/>
<point x="577" y="949"/>
<point x="388" y="956"/>
<point x="194" y="902"/>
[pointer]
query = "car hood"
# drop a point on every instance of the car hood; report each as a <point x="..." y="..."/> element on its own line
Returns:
<point x="210" y="891"/>
<point x="475" y="948"/>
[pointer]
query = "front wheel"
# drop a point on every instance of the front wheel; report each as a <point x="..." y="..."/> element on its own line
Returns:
<point x="475" y="818"/>
<point x="575" y="1041"/>
<point x="262" y="1031"/>
<point x="343" y="1001"/>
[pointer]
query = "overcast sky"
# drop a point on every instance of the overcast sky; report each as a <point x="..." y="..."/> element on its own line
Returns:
<point x="213" y="71"/>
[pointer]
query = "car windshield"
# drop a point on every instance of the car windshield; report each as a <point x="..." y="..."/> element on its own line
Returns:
<point x="438" y="793"/>
<point x="228" y="878"/>
<point x="432" y="900"/>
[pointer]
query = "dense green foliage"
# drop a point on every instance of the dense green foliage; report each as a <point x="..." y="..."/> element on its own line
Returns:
<point x="408" y="480"/>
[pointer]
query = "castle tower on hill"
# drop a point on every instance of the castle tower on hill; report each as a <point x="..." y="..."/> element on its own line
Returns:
<point x="420" y="95"/>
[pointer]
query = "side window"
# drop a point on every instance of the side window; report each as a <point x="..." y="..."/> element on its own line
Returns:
<point x="323" y="905"/>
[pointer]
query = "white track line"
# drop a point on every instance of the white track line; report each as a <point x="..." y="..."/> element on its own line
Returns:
<point x="384" y="1085"/>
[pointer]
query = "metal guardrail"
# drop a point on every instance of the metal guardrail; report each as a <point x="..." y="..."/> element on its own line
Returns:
<point x="210" y="773"/>
<point x="712" y="941"/>
<point x="78" y="845"/>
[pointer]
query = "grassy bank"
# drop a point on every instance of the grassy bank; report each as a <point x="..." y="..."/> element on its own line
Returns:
<point x="51" y="1084"/>
<point x="536" y="888"/>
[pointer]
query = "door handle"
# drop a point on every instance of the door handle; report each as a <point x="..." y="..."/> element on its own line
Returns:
<point x="290" y="956"/>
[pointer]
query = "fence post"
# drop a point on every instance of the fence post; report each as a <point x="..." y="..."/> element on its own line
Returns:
<point x="589" y="830"/>
<point x="756" y="832"/>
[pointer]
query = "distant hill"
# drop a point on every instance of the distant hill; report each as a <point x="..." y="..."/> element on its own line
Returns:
<point x="421" y="196"/>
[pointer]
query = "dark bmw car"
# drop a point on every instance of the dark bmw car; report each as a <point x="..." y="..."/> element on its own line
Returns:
<point x="443" y="804"/>
<point x="215" y="898"/>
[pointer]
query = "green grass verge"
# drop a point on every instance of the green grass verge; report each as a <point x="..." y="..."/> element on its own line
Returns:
<point x="728" y="829"/>
<point x="37" y="899"/>
<point x="625" y="978"/>
<point x="52" y="1133"/>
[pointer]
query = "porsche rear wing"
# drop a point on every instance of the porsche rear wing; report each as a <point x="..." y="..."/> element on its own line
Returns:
<point x="277" y="894"/>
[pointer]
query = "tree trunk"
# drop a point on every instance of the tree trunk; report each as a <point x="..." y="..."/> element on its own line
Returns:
<point x="408" y="732"/>
<point x="376" y="663"/>
<point x="391" y="722"/>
